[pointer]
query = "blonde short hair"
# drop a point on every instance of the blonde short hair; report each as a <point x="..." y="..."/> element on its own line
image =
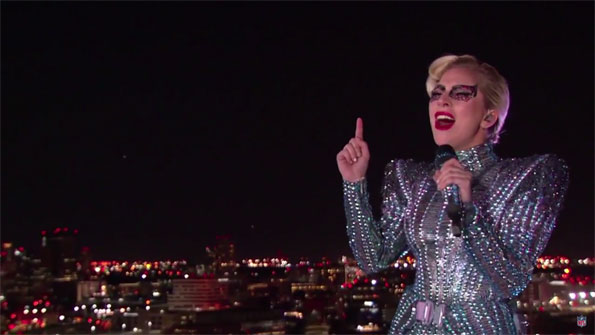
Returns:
<point x="493" y="86"/>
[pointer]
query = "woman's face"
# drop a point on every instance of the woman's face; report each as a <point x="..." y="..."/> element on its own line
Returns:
<point x="457" y="109"/>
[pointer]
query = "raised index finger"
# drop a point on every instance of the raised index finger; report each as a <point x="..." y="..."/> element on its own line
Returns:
<point x="359" y="128"/>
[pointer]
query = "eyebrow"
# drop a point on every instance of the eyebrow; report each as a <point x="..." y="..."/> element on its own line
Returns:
<point x="441" y="87"/>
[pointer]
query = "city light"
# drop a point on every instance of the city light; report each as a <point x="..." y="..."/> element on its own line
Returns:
<point x="583" y="295"/>
<point x="62" y="317"/>
<point x="592" y="294"/>
<point x="295" y="314"/>
<point x="572" y="296"/>
<point x="373" y="281"/>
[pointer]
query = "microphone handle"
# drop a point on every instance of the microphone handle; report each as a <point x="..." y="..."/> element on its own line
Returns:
<point x="453" y="210"/>
<point x="454" y="196"/>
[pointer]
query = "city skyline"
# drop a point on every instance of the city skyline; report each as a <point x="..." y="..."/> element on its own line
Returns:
<point x="153" y="129"/>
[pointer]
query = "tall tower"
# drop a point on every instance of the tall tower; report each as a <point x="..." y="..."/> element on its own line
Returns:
<point x="223" y="256"/>
<point x="59" y="251"/>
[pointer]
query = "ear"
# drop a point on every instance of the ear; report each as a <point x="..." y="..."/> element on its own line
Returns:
<point x="490" y="119"/>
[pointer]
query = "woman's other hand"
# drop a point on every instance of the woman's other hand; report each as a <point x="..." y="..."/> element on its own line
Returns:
<point x="353" y="159"/>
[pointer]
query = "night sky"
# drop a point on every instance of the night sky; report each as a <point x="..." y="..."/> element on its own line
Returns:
<point x="154" y="127"/>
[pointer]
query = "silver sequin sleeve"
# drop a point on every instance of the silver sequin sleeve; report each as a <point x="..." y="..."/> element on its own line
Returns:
<point x="506" y="233"/>
<point x="376" y="244"/>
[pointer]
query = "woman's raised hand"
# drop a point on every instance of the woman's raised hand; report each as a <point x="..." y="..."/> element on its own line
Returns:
<point x="353" y="159"/>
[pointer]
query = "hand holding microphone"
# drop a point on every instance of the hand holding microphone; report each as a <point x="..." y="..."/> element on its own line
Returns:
<point x="452" y="177"/>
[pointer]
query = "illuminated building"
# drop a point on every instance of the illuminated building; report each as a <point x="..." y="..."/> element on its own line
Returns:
<point x="223" y="256"/>
<point x="59" y="251"/>
<point x="197" y="294"/>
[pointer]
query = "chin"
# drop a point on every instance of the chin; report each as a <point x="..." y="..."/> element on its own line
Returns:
<point x="441" y="140"/>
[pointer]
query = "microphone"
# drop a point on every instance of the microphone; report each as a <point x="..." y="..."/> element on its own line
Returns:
<point x="453" y="209"/>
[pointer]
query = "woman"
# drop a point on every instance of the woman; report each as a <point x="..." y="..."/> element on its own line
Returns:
<point x="463" y="285"/>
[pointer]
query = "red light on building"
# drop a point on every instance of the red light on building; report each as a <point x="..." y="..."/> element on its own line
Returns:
<point x="148" y="302"/>
<point x="76" y="231"/>
<point x="11" y="326"/>
<point x="43" y="232"/>
<point x="97" y="322"/>
<point x="89" y="320"/>
<point x="35" y="303"/>
<point x="21" y="249"/>
<point x="47" y="304"/>
<point x="386" y="285"/>
<point x="541" y="308"/>
<point x="13" y="316"/>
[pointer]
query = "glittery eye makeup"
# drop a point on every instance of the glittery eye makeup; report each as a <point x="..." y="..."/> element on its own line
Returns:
<point x="458" y="92"/>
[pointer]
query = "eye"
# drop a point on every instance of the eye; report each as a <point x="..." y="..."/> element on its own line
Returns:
<point x="435" y="95"/>
<point x="465" y="96"/>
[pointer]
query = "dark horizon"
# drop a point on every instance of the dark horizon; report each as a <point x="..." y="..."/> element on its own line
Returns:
<point x="154" y="127"/>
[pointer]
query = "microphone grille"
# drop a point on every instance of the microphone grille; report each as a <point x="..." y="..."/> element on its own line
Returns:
<point x="444" y="153"/>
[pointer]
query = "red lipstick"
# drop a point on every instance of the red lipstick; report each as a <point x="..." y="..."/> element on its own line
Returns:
<point x="444" y="120"/>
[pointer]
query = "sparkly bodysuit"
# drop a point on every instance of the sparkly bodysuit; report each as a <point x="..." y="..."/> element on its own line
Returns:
<point x="474" y="277"/>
